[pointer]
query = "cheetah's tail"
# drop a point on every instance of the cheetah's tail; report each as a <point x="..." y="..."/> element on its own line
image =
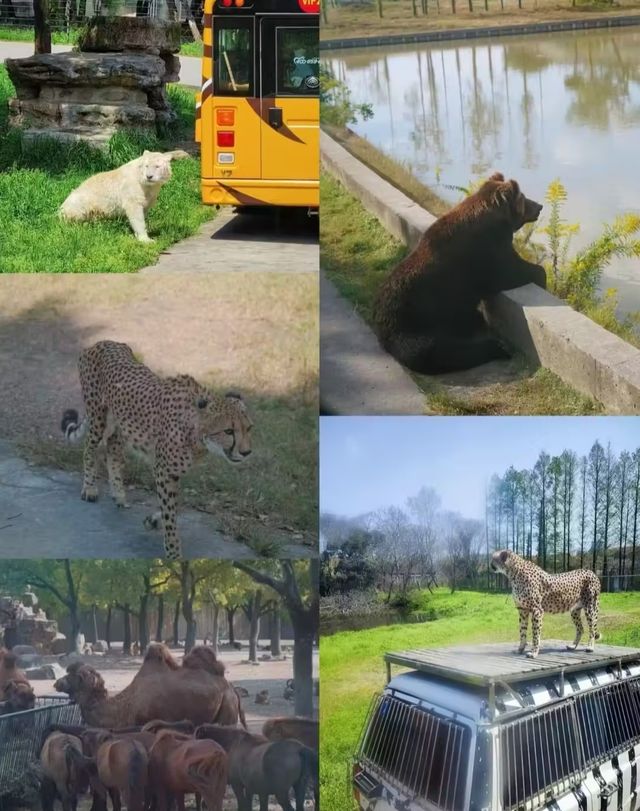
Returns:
<point x="598" y="635"/>
<point x="72" y="428"/>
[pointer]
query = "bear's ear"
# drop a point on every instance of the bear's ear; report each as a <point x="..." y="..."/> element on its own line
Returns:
<point x="515" y="198"/>
<point x="507" y="194"/>
<point x="498" y="177"/>
<point x="503" y="556"/>
<point x="518" y="198"/>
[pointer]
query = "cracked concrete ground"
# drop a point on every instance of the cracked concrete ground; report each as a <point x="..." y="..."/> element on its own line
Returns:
<point x="42" y="515"/>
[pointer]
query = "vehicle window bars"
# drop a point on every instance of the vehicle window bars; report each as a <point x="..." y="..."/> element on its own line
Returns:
<point x="424" y="755"/>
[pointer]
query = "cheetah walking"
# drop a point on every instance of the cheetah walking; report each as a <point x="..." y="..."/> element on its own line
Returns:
<point x="170" y="421"/>
<point x="534" y="592"/>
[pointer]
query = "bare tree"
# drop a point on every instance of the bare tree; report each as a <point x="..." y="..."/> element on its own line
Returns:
<point x="463" y="550"/>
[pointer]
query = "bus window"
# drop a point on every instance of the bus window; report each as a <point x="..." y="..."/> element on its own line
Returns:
<point x="298" y="62"/>
<point x="233" y="65"/>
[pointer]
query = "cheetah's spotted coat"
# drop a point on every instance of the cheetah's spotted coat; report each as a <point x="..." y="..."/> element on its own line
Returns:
<point x="535" y="591"/>
<point x="171" y="421"/>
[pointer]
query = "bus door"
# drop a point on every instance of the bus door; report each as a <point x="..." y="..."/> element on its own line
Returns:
<point x="236" y="117"/>
<point x="290" y="82"/>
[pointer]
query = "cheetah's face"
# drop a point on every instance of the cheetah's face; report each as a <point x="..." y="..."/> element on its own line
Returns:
<point x="226" y="434"/>
<point x="499" y="561"/>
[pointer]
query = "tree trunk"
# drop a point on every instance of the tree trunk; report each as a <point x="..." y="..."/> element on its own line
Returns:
<point x="107" y="630"/>
<point x="41" y="27"/>
<point x="176" y="625"/>
<point x="143" y="623"/>
<point x="231" y="612"/>
<point x="635" y="522"/>
<point x="160" y="624"/>
<point x="75" y="641"/>
<point x="126" y="616"/>
<point x="215" y="633"/>
<point x="190" y="639"/>
<point x="94" y="612"/>
<point x="303" y="630"/>
<point x="254" y="624"/>
<point x="188" y="596"/>
<point x="276" y="649"/>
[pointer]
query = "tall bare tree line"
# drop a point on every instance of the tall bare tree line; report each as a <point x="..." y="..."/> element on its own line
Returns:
<point x="570" y="511"/>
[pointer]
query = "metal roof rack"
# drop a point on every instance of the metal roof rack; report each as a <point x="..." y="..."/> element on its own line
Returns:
<point x="499" y="663"/>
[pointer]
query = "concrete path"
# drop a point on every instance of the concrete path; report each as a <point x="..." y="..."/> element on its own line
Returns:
<point x="42" y="515"/>
<point x="246" y="242"/>
<point x="190" y="66"/>
<point x="356" y="375"/>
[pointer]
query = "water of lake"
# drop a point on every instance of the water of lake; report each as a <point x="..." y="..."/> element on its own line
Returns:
<point x="540" y="107"/>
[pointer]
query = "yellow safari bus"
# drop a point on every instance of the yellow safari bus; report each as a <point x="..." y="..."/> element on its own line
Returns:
<point x="258" y="113"/>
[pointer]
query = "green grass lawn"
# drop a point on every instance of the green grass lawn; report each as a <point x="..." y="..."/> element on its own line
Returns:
<point x="36" y="177"/>
<point x="351" y="667"/>
<point x="12" y="33"/>
<point x="357" y="253"/>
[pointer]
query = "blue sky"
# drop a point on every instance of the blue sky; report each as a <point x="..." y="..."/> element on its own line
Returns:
<point x="372" y="462"/>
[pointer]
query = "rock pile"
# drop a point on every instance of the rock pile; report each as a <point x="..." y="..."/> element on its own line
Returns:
<point x="116" y="81"/>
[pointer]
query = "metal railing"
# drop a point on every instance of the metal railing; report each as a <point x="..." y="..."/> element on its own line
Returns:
<point x="537" y="752"/>
<point x="550" y="750"/>
<point x="546" y="753"/>
<point x="423" y="754"/>
<point x="21" y="736"/>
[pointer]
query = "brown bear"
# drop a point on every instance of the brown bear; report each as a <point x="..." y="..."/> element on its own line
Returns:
<point x="427" y="310"/>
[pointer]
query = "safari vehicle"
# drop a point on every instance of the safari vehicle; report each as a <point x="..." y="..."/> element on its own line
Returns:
<point x="483" y="728"/>
<point x="21" y="737"/>
<point x="258" y="112"/>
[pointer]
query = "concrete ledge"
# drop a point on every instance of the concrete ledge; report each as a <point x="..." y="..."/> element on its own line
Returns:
<point x="548" y="331"/>
<point x="479" y="33"/>
<point x="404" y="219"/>
<point x="356" y="375"/>
<point x="591" y="359"/>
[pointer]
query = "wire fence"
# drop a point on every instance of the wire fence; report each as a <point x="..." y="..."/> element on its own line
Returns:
<point x="67" y="16"/>
<point x="21" y="737"/>
<point x="614" y="583"/>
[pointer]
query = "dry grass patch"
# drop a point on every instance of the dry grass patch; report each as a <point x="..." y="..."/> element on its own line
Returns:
<point x="363" y="20"/>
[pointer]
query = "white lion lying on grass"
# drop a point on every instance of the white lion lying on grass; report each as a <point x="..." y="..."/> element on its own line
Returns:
<point x="131" y="190"/>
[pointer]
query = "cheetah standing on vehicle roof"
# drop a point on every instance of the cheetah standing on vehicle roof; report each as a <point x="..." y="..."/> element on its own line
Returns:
<point x="535" y="591"/>
<point x="171" y="421"/>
